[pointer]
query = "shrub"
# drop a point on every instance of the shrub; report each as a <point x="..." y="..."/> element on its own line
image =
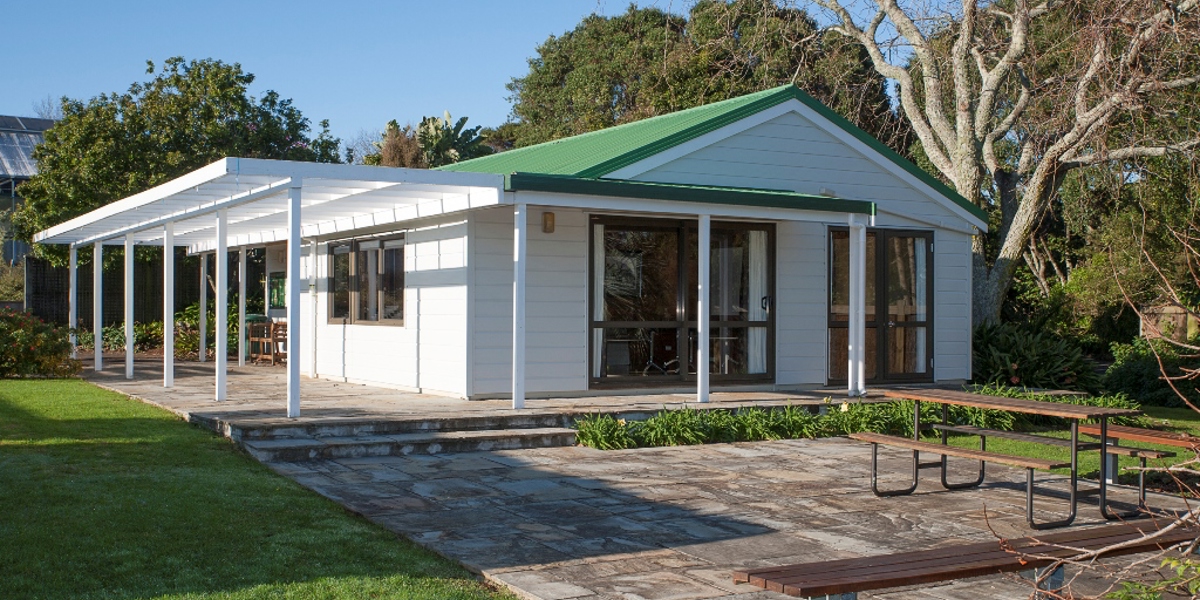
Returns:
<point x="1009" y="354"/>
<point x="1136" y="372"/>
<point x="30" y="347"/>
<point x="604" y="433"/>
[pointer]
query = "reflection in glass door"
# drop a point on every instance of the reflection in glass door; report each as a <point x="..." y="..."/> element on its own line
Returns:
<point x="644" y="301"/>
<point x="899" y="333"/>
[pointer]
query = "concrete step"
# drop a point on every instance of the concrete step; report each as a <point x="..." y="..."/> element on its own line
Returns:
<point x="400" y="444"/>
<point x="398" y="425"/>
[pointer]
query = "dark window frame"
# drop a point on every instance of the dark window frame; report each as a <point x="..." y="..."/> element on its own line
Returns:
<point x="353" y="252"/>
<point x="835" y="321"/>
<point x="685" y="322"/>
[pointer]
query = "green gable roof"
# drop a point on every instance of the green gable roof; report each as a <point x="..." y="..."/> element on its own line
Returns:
<point x="598" y="153"/>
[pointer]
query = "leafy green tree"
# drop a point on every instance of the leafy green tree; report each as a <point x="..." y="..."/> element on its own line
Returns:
<point x="187" y="115"/>
<point x="647" y="62"/>
<point x="443" y="143"/>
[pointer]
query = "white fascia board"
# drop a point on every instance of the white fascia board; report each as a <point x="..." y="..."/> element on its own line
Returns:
<point x="676" y="208"/>
<point x="816" y="119"/>
<point x="955" y="225"/>
<point x="309" y="170"/>
<point x="179" y="184"/>
<point x="451" y="203"/>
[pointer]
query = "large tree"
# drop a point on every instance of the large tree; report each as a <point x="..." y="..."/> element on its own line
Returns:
<point x="646" y="62"/>
<point x="1009" y="98"/>
<point x="187" y="115"/>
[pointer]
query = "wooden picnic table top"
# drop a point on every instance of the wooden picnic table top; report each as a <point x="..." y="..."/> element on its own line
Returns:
<point x="1032" y="407"/>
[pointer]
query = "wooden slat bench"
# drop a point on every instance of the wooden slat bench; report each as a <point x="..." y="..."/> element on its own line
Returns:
<point x="983" y="456"/>
<point x="849" y="576"/>
<point x="1148" y="436"/>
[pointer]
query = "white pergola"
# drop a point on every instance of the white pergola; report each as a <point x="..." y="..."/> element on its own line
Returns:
<point x="242" y="203"/>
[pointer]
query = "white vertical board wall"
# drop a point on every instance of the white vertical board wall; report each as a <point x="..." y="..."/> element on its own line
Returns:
<point x="556" y="326"/>
<point x="951" y="305"/>
<point x="428" y="353"/>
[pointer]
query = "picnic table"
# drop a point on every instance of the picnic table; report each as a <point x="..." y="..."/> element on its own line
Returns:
<point x="946" y="398"/>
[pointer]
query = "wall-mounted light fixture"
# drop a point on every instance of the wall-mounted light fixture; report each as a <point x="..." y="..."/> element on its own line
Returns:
<point x="547" y="222"/>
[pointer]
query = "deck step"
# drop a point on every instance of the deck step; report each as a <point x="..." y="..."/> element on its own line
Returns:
<point x="334" y="428"/>
<point x="298" y="449"/>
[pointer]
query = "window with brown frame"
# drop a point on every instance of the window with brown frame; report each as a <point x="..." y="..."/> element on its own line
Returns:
<point x="366" y="281"/>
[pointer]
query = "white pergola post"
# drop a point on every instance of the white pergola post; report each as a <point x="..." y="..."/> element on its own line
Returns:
<point x="703" y="345"/>
<point x="129" y="306"/>
<point x="203" y="307"/>
<point x="169" y="305"/>
<point x="221" y="272"/>
<point x="520" y="256"/>
<point x="98" y="303"/>
<point x="241" y="347"/>
<point x="857" y="328"/>
<point x="313" y="272"/>
<point x="73" y="298"/>
<point x="295" y="190"/>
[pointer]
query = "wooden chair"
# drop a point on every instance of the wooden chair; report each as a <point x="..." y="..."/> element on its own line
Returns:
<point x="259" y="339"/>
<point x="278" y="343"/>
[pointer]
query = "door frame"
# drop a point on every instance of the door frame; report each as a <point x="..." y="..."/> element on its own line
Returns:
<point x="881" y="234"/>
<point x="687" y="229"/>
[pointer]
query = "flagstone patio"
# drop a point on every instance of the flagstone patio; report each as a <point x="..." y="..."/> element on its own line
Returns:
<point x="573" y="523"/>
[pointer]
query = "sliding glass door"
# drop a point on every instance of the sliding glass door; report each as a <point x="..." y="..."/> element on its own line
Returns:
<point x="899" y="311"/>
<point x="644" y="301"/>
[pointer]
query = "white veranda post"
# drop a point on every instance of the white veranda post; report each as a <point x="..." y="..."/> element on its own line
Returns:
<point x="98" y="304"/>
<point x="293" y="298"/>
<point x="520" y="255"/>
<point x="129" y="306"/>
<point x="169" y="305"/>
<point x="241" y="346"/>
<point x="221" y="303"/>
<point x="73" y="299"/>
<point x="857" y="334"/>
<point x="203" y="307"/>
<point x="703" y="347"/>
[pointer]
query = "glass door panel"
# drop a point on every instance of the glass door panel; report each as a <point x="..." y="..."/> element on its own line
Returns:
<point x="899" y="331"/>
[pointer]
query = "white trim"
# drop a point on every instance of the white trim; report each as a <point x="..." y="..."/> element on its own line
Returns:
<point x="293" y="299"/>
<point x="221" y="305"/>
<point x="129" y="306"/>
<point x="73" y="299"/>
<point x="98" y="305"/>
<point x="703" y="310"/>
<point x="673" y="207"/>
<point x="520" y="258"/>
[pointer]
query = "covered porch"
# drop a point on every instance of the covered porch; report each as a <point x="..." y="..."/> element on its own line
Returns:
<point x="237" y="204"/>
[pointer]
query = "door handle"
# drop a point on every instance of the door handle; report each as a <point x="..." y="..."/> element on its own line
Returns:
<point x="766" y="303"/>
<point x="891" y="324"/>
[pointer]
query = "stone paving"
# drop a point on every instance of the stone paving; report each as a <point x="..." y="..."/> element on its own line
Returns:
<point x="575" y="523"/>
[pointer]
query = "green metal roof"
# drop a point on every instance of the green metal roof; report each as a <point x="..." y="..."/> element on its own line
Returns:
<point x="624" y="188"/>
<point x="598" y="153"/>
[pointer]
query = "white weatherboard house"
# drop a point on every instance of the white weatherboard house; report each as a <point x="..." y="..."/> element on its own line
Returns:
<point x="760" y="241"/>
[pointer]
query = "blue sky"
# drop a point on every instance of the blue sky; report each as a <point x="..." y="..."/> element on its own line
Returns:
<point x="357" y="64"/>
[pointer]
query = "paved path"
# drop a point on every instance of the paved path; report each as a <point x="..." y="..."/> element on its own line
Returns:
<point x="656" y="523"/>
<point x="669" y="523"/>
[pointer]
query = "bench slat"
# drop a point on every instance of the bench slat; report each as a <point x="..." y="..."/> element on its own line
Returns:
<point x="1053" y="441"/>
<point x="1015" y="461"/>
<point x="1149" y="436"/>
<point x="1033" y="407"/>
<point x="956" y="562"/>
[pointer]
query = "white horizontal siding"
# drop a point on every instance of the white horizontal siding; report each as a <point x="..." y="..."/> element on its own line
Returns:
<point x="951" y="305"/>
<point x="556" y="307"/>
<point x="800" y="304"/>
<point x="428" y="352"/>
<point x="789" y="152"/>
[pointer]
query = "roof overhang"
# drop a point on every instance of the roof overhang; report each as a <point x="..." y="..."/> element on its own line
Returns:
<point x="698" y="194"/>
<point x="334" y="199"/>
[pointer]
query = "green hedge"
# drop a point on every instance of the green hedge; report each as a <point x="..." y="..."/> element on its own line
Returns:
<point x="1137" y="373"/>
<point x="30" y="347"/>
<point x="690" y="426"/>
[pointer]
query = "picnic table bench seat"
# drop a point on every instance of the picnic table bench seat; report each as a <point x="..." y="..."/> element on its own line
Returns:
<point x="849" y="576"/>
<point x="1053" y="441"/>
<point x="1023" y="462"/>
<point x="1149" y="436"/>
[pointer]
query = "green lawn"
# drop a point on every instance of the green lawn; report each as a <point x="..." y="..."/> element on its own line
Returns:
<point x="1180" y="419"/>
<point x="105" y="497"/>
